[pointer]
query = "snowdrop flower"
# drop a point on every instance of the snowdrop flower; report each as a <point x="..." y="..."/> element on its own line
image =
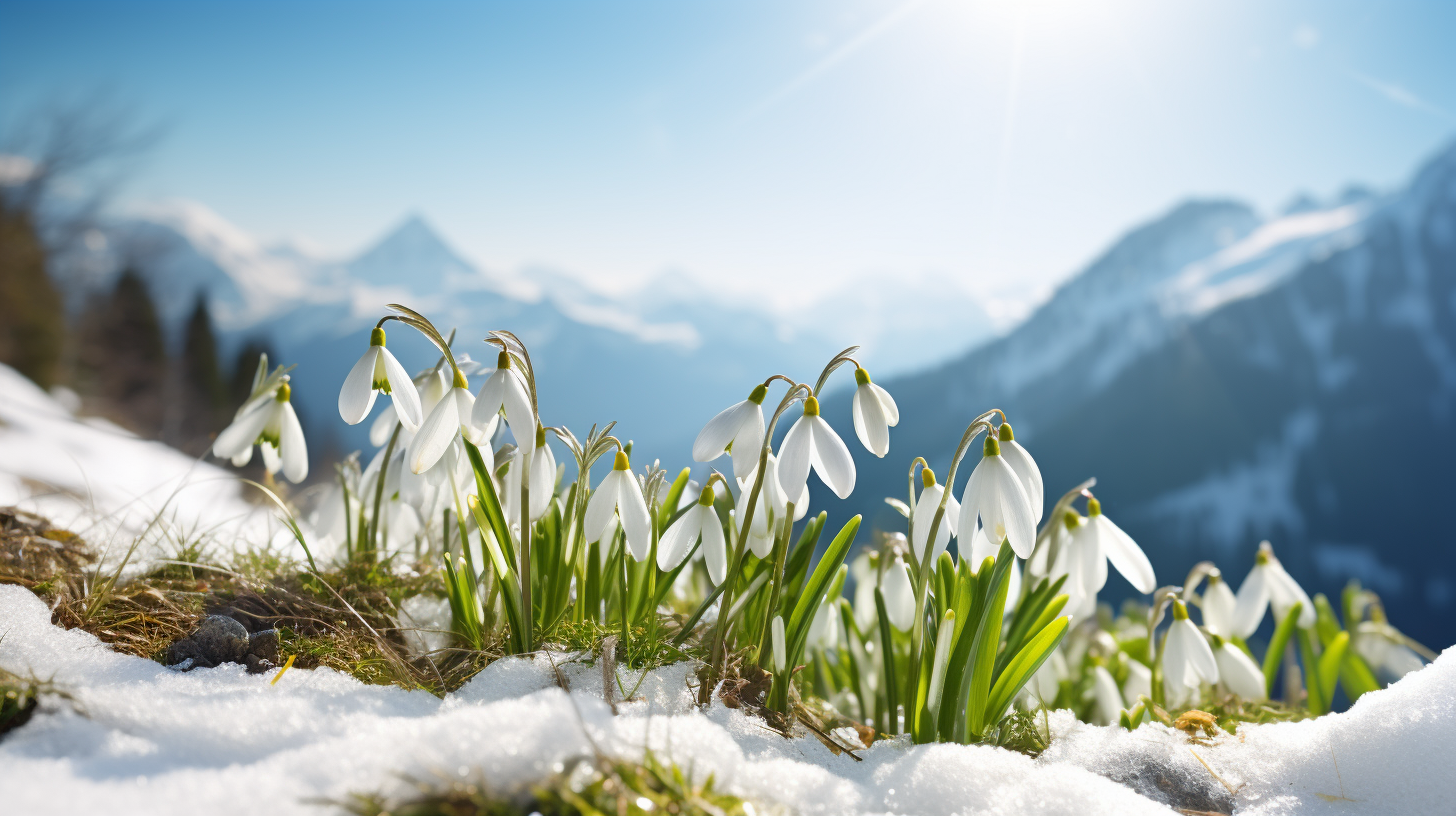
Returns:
<point x="619" y="495"/>
<point x="1139" y="682"/>
<point x="377" y="371"/>
<point x="1187" y="660"/>
<point x="273" y="425"/>
<point x="865" y="573"/>
<point x="1385" y="650"/>
<point x="824" y="629"/>
<point x="995" y="495"/>
<point x="1269" y="585"/>
<point x="1237" y="671"/>
<point x="874" y="412"/>
<point x="925" y="507"/>
<point x="1026" y="469"/>
<point x="699" y="522"/>
<point x="1219" y="604"/>
<point x="1097" y="541"/>
<point x="504" y="389"/>
<point x="780" y="656"/>
<point x="760" y="540"/>
<point x="899" y="596"/>
<point x="450" y="416"/>
<point x="738" y="427"/>
<point x="1107" y="696"/>
<point x="543" y="480"/>
<point x="811" y="442"/>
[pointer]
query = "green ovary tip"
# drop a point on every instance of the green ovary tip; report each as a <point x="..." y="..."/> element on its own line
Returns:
<point x="992" y="448"/>
<point x="622" y="462"/>
<point x="1180" y="612"/>
<point x="862" y="376"/>
<point x="376" y="337"/>
<point x="927" y="477"/>
<point x="757" y="394"/>
<point x="1094" y="508"/>
<point x="811" y="407"/>
<point x="284" y="393"/>
<point x="503" y="360"/>
<point x="1006" y="435"/>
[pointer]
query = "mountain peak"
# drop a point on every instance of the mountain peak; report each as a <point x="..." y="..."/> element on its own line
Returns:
<point x="413" y="255"/>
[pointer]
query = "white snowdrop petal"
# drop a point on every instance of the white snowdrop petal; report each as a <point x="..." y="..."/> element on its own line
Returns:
<point x="715" y="548"/>
<point x="925" y="509"/>
<point x="519" y="414"/>
<point x="1025" y="467"/>
<point x="1253" y="599"/>
<point x="1285" y="592"/>
<point x="870" y="424"/>
<point x="434" y="435"/>
<point x="601" y="508"/>
<point x="1126" y="555"/>
<point x="242" y="433"/>
<point x="982" y="548"/>
<point x="760" y="544"/>
<point x="383" y="424"/>
<point x="887" y="404"/>
<point x="794" y="458"/>
<point x="243" y="458"/>
<point x="636" y="523"/>
<point x="673" y="547"/>
<point x="1091" y="564"/>
<point x="1107" y="695"/>
<point x="1200" y="655"/>
<point x="714" y="438"/>
<point x="835" y="464"/>
<point x="1238" y="672"/>
<point x="1139" y="682"/>
<point x="272" y="462"/>
<point x="292" y="447"/>
<point x="357" y="395"/>
<point x="748" y="441"/>
<point x="1219" y="604"/>
<point x="899" y="596"/>
<point x="1175" y="656"/>
<point x="403" y="396"/>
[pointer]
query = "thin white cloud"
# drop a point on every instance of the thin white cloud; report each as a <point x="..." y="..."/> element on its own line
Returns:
<point x="869" y="34"/>
<point x="1402" y="96"/>
<point x="1306" y="36"/>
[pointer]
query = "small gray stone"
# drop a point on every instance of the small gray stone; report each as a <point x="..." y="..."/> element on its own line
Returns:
<point x="264" y="645"/>
<point x="216" y="640"/>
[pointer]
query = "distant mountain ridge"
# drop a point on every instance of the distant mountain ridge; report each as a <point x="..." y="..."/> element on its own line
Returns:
<point x="1228" y="380"/>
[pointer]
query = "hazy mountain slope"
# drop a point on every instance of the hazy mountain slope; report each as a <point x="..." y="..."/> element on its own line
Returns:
<point x="1297" y="385"/>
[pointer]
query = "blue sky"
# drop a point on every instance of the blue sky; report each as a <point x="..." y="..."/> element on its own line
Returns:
<point x="767" y="147"/>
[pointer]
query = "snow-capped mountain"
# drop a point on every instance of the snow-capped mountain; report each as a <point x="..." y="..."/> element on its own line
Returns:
<point x="663" y="359"/>
<point x="1228" y="380"/>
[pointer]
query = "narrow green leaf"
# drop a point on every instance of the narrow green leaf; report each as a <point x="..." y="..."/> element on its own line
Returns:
<point x="891" y="681"/>
<point x="490" y="502"/>
<point x="988" y="639"/>
<point x="813" y="593"/>
<point x="1315" y="699"/>
<point x="1329" y="665"/>
<point x="1275" y="654"/>
<point x="1023" y="666"/>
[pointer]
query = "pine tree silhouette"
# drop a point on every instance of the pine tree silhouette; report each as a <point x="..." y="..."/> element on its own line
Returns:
<point x="32" y="317"/>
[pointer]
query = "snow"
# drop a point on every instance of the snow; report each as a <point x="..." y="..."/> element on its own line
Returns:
<point x="136" y="737"/>
<point x="104" y="483"/>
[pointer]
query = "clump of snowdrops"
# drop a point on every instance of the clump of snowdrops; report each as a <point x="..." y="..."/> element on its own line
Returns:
<point x="934" y="643"/>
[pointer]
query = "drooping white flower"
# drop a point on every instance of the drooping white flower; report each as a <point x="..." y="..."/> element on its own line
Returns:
<point x="780" y="649"/>
<point x="739" y="427"/>
<point x="699" y="522"/>
<point x="1385" y="649"/>
<point x="995" y="495"/>
<point x="1139" y="682"/>
<point x="450" y="416"/>
<point x="377" y="371"/>
<point x="620" y="496"/>
<point x="1106" y="695"/>
<point x="1268" y="585"/>
<point x="1219" y="605"/>
<point x="543" y="481"/>
<point x="824" y="629"/>
<point x="1187" y="660"/>
<point x="1098" y="541"/>
<point x="874" y="413"/>
<point x="899" y="596"/>
<point x="925" y="508"/>
<point x="504" y="389"/>
<point x="812" y="443"/>
<point x="1237" y="671"/>
<point x="760" y="539"/>
<point x="273" y="425"/>
<point x="864" y="571"/>
<point x="1026" y="469"/>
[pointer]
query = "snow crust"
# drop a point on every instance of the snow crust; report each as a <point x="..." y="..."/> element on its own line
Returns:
<point x="109" y="486"/>
<point x="138" y="738"/>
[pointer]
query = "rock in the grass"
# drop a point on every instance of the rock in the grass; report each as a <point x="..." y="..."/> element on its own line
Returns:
<point x="220" y="639"/>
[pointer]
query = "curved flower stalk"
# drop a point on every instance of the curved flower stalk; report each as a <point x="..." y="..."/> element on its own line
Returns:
<point x="267" y="420"/>
<point x="1025" y="468"/>
<point x="700" y="522"/>
<point x="874" y="413"/>
<point x="925" y="509"/>
<point x="812" y="443"/>
<point x="1268" y="585"/>
<point x="620" y="496"/>
<point x="738" y="428"/>
<point x="995" y="494"/>
<point x="378" y="371"/>
<point x="1188" y="662"/>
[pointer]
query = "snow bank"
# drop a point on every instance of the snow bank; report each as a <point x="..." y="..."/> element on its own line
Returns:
<point x="220" y="741"/>
<point x="99" y="480"/>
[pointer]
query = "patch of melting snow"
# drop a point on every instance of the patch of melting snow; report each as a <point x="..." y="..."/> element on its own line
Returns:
<point x="139" y="738"/>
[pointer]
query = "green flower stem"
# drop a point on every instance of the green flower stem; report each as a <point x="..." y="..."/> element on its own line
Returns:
<point x="368" y="552"/>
